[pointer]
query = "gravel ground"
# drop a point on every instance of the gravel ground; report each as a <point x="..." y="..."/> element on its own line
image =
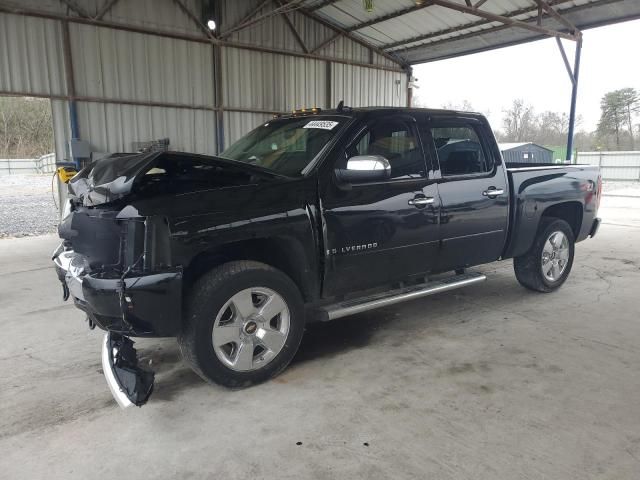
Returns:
<point x="26" y="206"/>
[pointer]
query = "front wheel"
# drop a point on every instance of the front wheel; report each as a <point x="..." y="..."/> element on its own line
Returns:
<point x="244" y="324"/>
<point x="546" y="266"/>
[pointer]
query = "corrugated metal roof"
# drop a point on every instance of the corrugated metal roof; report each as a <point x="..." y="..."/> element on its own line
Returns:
<point x="420" y="34"/>
<point x="163" y="15"/>
<point x="511" y="145"/>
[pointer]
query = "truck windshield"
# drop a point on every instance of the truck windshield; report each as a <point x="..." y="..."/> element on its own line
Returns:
<point x="285" y="146"/>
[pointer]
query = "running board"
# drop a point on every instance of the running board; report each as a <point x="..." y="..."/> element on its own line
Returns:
<point x="392" y="297"/>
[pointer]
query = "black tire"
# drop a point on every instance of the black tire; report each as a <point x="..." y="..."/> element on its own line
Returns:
<point x="528" y="267"/>
<point x="207" y="297"/>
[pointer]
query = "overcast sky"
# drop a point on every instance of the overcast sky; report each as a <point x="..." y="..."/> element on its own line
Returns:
<point x="536" y="73"/>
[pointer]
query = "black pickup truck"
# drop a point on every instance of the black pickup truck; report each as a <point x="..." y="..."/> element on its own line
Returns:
<point x="310" y="217"/>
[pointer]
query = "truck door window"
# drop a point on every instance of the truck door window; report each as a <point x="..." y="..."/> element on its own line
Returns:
<point x="460" y="151"/>
<point x="396" y="141"/>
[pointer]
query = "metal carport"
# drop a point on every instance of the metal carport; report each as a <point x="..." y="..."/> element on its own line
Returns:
<point x="122" y="71"/>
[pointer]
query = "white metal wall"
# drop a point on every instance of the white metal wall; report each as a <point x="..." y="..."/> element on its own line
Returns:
<point x="266" y="81"/>
<point x="133" y="86"/>
<point x="31" y="63"/>
<point x="30" y="55"/>
<point x="361" y="87"/>
<point x="125" y="66"/>
<point x="614" y="165"/>
<point x="116" y="127"/>
<point x="280" y="83"/>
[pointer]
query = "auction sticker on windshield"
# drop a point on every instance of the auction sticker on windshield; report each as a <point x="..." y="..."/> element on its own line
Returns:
<point x="324" y="124"/>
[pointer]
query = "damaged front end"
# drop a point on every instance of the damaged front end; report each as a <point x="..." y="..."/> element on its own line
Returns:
<point x="117" y="269"/>
<point x="118" y="261"/>
<point x="134" y="291"/>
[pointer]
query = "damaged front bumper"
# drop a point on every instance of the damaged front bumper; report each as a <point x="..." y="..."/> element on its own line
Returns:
<point x="146" y="304"/>
<point x="138" y="305"/>
<point x="129" y="383"/>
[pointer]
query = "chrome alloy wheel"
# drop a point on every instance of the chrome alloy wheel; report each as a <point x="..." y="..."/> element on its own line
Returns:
<point x="251" y="329"/>
<point x="555" y="256"/>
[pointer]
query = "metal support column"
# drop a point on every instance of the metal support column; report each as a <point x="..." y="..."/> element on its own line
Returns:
<point x="574" y="94"/>
<point x="328" y="85"/>
<point x="71" y="87"/>
<point x="409" y="87"/>
<point x="218" y="97"/>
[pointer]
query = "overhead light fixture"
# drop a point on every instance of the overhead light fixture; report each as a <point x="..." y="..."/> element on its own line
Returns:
<point x="211" y="25"/>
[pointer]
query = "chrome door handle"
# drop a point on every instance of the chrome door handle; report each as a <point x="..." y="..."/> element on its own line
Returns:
<point x="421" y="201"/>
<point x="493" y="192"/>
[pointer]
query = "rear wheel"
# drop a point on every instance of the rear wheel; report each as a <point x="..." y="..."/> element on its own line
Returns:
<point x="547" y="264"/>
<point x="244" y="323"/>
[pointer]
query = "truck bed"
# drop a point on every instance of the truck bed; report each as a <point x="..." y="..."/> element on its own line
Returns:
<point x="535" y="187"/>
<point x="538" y="166"/>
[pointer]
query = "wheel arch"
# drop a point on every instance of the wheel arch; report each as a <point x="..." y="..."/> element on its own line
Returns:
<point x="281" y="252"/>
<point x="526" y="226"/>
<point x="571" y="212"/>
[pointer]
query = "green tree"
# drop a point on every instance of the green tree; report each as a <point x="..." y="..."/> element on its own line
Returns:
<point x="519" y="122"/>
<point x="631" y="105"/>
<point x="465" y="106"/>
<point x="25" y="127"/>
<point x="617" y="111"/>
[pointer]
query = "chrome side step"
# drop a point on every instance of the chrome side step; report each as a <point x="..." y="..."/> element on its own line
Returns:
<point x="392" y="297"/>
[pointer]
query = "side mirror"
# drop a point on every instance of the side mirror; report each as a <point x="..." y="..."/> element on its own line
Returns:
<point x="365" y="168"/>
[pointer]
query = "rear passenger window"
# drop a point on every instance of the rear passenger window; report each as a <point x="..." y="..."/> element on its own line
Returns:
<point x="459" y="151"/>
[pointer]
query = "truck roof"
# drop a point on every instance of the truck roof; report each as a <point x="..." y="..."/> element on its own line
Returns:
<point x="374" y="111"/>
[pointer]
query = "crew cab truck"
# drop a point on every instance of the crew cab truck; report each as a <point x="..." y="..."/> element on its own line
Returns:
<point x="312" y="216"/>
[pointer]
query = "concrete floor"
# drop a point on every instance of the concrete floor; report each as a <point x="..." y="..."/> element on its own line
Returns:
<point x="484" y="383"/>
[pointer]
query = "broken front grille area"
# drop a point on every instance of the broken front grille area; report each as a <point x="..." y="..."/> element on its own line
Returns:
<point x="112" y="246"/>
<point x="119" y="272"/>
<point x="105" y="242"/>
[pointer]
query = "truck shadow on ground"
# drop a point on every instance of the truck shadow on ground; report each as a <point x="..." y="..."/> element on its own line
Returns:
<point x="327" y="339"/>
<point x="321" y="340"/>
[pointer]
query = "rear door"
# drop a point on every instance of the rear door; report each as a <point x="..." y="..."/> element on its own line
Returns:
<point x="379" y="232"/>
<point x="473" y="192"/>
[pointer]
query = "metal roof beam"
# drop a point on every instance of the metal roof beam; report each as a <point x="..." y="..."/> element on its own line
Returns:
<point x="554" y="13"/>
<point x="293" y="28"/>
<point x="539" y="18"/>
<point x="203" y="28"/>
<point x="448" y="31"/>
<point x="326" y="42"/>
<point x="572" y="77"/>
<point x="75" y="7"/>
<point x="108" y="5"/>
<point x="389" y="16"/>
<point x="344" y="32"/>
<point x="17" y="10"/>
<point x="322" y="4"/>
<point x="468" y="35"/>
<point x="502" y="19"/>
<point x="246" y="20"/>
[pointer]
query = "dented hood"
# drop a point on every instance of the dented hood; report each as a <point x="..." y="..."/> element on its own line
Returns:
<point x="148" y="174"/>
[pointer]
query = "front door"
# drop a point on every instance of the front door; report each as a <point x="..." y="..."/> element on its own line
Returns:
<point x="474" y="193"/>
<point x="379" y="232"/>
